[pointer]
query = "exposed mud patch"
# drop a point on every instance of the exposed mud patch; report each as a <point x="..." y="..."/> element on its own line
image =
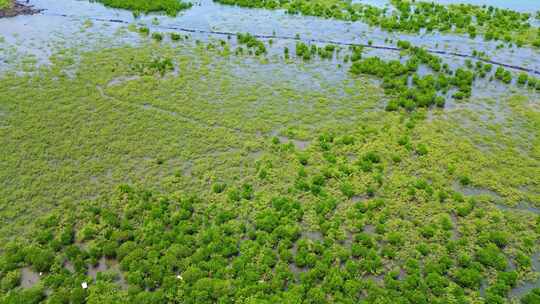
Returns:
<point x="477" y="191"/>
<point x="297" y="270"/>
<point x="379" y="279"/>
<point x="455" y="231"/>
<point x="110" y="266"/>
<point x="522" y="206"/>
<point x="18" y="8"/>
<point x="299" y="144"/>
<point x="370" y="229"/>
<point x="69" y="266"/>
<point x="256" y="154"/>
<point x="187" y="169"/>
<point x="358" y="198"/>
<point x="29" y="278"/>
<point x="121" y="80"/>
<point x="526" y="287"/>
<point x="313" y="235"/>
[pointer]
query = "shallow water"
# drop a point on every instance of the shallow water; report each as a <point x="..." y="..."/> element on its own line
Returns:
<point x="29" y="278"/>
<point x="46" y="29"/>
<point x="520" y="5"/>
<point x="525" y="288"/>
<point x="497" y="199"/>
<point x="522" y="206"/>
<point x="476" y="191"/>
<point x="105" y="265"/>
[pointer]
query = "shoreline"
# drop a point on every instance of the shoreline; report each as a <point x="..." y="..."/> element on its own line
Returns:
<point x="18" y="8"/>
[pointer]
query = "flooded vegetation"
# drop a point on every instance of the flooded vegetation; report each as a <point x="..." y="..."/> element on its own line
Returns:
<point x="170" y="7"/>
<point x="406" y="16"/>
<point x="270" y="151"/>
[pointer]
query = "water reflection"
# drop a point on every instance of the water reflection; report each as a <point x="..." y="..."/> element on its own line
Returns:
<point x="209" y="16"/>
<point x="521" y="6"/>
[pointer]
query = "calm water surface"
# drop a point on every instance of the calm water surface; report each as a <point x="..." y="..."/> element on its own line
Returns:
<point x="209" y="16"/>
<point x="516" y="5"/>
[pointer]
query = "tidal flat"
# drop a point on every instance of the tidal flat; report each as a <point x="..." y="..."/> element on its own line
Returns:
<point x="155" y="165"/>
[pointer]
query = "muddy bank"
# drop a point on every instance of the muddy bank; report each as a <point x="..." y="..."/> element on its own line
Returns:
<point x="18" y="8"/>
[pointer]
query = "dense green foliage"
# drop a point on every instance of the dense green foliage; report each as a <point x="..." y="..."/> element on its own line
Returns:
<point x="426" y="90"/>
<point x="194" y="173"/>
<point x="503" y="75"/>
<point x="5" y="4"/>
<point x="172" y="248"/>
<point x="251" y="43"/>
<point x="306" y="52"/>
<point x="170" y="7"/>
<point x="532" y="297"/>
<point x="367" y="213"/>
